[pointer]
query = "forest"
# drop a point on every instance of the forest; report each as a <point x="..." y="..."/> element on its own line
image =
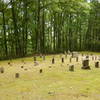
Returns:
<point x="30" y="27"/>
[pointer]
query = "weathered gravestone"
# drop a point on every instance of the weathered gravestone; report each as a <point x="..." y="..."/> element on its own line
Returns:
<point x="34" y="58"/>
<point x="95" y="57"/>
<point x="22" y="66"/>
<point x="9" y="63"/>
<point x="41" y="71"/>
<point x="43" y="57"/>
<point x="62" y="60"/>
<point x="70" y="60"/>
<point x="53" y="60"/>
<point x="17" y="75"/>
<point x="76" y="59"/>
<point x="96" y="64"/>
<point x="92" y="57"/>
<point x="2" y="70"/>
<point x="74" y="54"/>
<point x="85" y="63"/>
<point x="71" y="68"/>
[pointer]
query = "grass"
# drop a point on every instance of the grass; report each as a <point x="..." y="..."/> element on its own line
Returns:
<point x="55" y="83"/>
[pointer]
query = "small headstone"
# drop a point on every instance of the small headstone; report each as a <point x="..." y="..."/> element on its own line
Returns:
<point x="41" y="70"/>
<point x="96" y="64"/>
<point x="22" y="66"/>
<point x="95" y="57"/>
<point x="2" y="70"/>
<point x="53" y="60"/>
<point x="71" y="68"/>
<point x="85" y="64"/>
<point x="70" y="59"/>
<point x="9" y="64"/>
<point x="43" y="57"/>
<point x="62" y="60"/>
<point x="17" y="75"/>
<point x="92" y="57"/>
<point x="34" y="58"/>
<point x="76" y="59"/>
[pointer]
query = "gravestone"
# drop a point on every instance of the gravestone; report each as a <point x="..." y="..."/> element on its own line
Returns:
<point x="34" y="58"/>
<point x="71" y="68"/>
<point x="85" y="63"/>
<point x="62" y="60"/>
<point x="43" y="57"/>
<point x="76" y="59"/>
<point x="74" y="54"/>
<point x="53" y="60"/>
<point x="9" y="63"/>
<point x="17" y="75"/>
<point x="22" y="66"/>
<point x="92" y="57"/>
<point x="70" y="60"/>
<point x="96" y="64"/>
<point x="41" y="71"/>
<point x="95" y="57"/>
<point x="2" y="70"/>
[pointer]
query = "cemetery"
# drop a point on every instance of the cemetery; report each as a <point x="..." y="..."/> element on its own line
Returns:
<point x="49" y="49"/>
<point x="54" y="78"/>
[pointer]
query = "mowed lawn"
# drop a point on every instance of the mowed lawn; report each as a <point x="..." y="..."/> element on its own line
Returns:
<point x="55" y="83"/>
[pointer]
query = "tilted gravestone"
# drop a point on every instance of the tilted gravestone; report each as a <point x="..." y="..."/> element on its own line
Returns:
<point x="2" y="70"/>
<point x="85" y="63"/>
<point x="17" y="75"/>
<point x="96" y="64"/>
<point x="71" y="68"/>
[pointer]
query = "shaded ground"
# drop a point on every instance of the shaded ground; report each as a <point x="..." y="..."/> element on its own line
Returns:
<point x="55" y="83"/>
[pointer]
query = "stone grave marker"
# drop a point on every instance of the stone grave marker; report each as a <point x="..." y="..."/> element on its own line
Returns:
<point x="34" y="58"/>
<point x="2" y="70"/>
<point x="71" y="68"/>
<point x="62" y="60"/>
<point x="85" y="63"/>
<point x="76" y="59"/>
<point x="70" y="60"/>
<point x="43" y="57"/>
<point x="17" y="75"/>
<point x="53" y="60"/>
<point x="41" y="71"/>
<point x="97" y="64"/>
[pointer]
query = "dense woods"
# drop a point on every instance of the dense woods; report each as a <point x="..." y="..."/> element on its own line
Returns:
<point x="48" y="26"/>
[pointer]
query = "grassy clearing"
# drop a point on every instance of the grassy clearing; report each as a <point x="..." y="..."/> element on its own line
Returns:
<point x="55" y="83"/>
